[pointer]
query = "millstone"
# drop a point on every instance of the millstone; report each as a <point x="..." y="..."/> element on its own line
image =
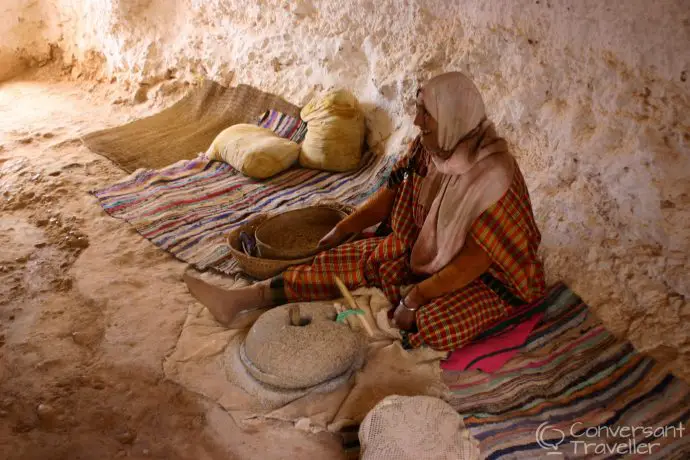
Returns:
<point x="300" y="356"/>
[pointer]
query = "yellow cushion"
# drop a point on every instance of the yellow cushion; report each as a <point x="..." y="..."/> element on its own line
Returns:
<point x="254" y="151"/>
<point x="335" y="132"/>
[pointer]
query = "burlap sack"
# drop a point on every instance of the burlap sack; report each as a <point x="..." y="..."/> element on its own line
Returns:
<point x="335" y="132"/>
<point x="254" y="151"/>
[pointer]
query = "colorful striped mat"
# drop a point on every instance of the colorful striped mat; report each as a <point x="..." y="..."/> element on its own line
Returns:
<point x="189" y="207"/>
<point x="575" y="391"/>
<point x="284" y="125"/>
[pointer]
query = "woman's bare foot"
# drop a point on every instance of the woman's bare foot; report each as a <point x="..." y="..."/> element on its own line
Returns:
<point x="230" y="306"/>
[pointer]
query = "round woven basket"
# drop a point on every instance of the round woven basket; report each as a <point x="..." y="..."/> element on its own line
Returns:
<point x="296" y="234"/>
<point x="263" y="268"/>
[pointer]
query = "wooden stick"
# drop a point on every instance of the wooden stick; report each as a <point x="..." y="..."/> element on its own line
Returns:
<point x="294" y="314"/>
<point x="353" y="304"/>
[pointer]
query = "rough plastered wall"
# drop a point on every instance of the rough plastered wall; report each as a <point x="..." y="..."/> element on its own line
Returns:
<point x="592" y="95"/>
<point x="26" y="31"/>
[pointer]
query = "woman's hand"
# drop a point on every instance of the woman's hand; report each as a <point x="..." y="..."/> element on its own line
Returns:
<point x="333" y="238"/>
<point x="373" y="211"/>
<point x="404" y="318"/>
<point x="406" y="312"/>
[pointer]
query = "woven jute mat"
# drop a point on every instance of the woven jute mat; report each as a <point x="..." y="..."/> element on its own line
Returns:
<point x="185" y="129"/>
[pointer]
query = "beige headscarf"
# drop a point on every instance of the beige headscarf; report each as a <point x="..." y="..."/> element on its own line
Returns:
<point x="458" y="189"/>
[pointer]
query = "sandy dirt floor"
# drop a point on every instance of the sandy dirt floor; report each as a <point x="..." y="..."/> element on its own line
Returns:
<point x="88" y="308"/>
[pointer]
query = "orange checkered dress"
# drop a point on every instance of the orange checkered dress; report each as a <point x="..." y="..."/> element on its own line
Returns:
<point x="506" y="231"/>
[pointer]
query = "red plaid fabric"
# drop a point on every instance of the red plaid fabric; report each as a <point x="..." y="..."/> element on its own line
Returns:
<point x="381" y="262"/>
<point x="506" y="231"/>
<point x="453" y="320"/>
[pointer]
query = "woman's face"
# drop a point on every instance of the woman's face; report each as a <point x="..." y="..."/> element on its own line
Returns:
<point x="429" y="128"/>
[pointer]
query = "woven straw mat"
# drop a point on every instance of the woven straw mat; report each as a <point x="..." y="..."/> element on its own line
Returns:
<point x="187" y="128"/>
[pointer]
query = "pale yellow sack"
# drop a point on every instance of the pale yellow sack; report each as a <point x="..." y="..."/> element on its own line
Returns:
<point x="335" y="132"/>
<point x="254" y="151"/>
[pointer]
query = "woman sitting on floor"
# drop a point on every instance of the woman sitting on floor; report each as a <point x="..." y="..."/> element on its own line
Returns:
<point x="457" y="224"/>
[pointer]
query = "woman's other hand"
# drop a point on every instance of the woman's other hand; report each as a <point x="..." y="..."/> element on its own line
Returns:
<point x="333" y="238"/>
<point x="406" y="312"/>
<point x="404" y="318"/>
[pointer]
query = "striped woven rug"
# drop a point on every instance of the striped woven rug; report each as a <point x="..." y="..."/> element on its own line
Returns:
<point x="189" y="207"/>
<point x="284" y="125"/>
<point x="575" y="391"/>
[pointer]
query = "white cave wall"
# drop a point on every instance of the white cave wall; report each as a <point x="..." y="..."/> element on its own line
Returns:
<point x="592" y="95"/>
<point x="26" y="31"/>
